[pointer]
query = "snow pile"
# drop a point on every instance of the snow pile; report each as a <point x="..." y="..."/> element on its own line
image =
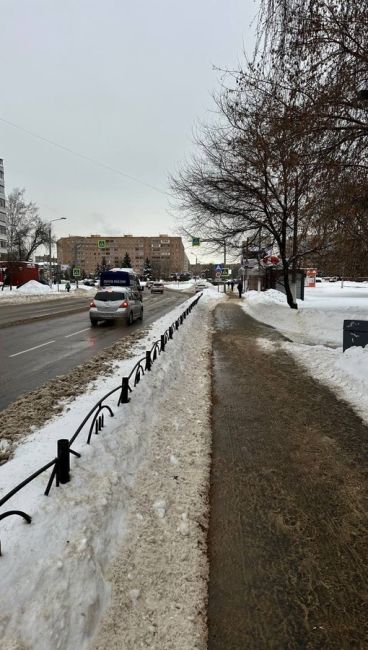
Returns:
<point x="143" y="478"/>
<point x="266" y="297"/>
<point x="83" y="287"/>
<point x="318" y="320"/>
<point x="19" y="297"/>
<point x="34" y="287"/>
<point x="345" y="373"/>
<point x="316" y="332"/>
<point x="181" y="286"/>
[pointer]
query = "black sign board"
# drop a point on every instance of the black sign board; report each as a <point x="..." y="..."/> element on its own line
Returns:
<point x="355" y="333"/>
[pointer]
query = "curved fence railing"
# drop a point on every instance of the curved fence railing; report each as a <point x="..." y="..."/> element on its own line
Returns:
<point x="60" y="473"/>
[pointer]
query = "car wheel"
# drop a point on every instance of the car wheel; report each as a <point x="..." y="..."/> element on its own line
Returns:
<point x="93" y="322"/>
<point x="130" y="321"/>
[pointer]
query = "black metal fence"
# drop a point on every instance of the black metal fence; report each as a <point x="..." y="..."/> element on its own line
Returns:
<point x="60" y="473"/>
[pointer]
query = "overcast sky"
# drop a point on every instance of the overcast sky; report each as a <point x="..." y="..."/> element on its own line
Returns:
<point x="120" y="81"/>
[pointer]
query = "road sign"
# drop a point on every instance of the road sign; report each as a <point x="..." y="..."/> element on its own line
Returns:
<point x="225" y="272"/>
<point x="218" y="274"/>
<point x="218" y="268"/>
<point x="101" y="243"/>
<point x="76" y="272"/>
<point x="196" y="241"/>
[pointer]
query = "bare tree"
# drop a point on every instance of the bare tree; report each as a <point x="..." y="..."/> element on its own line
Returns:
<point x="26" y="232"/>
<point x="319" y="48"/>
<point x="258" y="174"/>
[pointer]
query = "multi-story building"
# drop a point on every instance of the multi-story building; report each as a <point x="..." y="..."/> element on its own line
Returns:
<point x="3" y="245"/>
<point x="165" y="254"/>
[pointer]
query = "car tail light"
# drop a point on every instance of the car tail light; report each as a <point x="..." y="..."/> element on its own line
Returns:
<point x="92" y="304"/>
<point x="124" y="304"/>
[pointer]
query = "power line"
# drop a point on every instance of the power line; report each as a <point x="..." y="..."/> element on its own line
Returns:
<point x="83" y="156"/>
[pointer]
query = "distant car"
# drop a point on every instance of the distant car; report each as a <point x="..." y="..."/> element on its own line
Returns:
<point x="333" y="279"/>
<point x="149" y="284"/>
<point x="200" y="286"/>
<point x="89" y="282"/>
<point x="116" y="304"/>
<point x="157" y="287"/>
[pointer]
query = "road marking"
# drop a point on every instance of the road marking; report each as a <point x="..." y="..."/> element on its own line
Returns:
<point x="30" y="349"/>
<point x="79" y="332"/>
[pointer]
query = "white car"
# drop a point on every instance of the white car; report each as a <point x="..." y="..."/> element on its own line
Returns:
<point x="157" y="287"/>
<point x="200" y="286"/>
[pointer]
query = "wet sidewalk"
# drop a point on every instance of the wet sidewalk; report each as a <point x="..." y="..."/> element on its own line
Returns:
<point x="288" y="500"/>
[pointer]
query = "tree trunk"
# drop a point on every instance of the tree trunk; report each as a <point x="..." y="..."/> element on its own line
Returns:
<point x="289" y="295"/>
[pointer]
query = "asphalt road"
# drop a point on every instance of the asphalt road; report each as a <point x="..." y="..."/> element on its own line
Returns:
<point x="34" y="352"/>
<point x="16" y="314"/>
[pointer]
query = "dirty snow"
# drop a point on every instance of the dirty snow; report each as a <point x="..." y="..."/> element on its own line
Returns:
<point x="37" y="407"/>
<point x="116" y="559"/>
<point x="138" y="494"/>
<point x="315" y="332"/>
<point x="34" y="293"/>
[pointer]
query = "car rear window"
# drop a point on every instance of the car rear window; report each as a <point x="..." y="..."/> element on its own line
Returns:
<point x="106" y="296"/>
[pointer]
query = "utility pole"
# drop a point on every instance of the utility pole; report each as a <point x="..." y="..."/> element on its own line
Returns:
<point x="259" y="262"/>
<point x="50" y="248"/>
<point x="50" y="261"/>
<point x="224" y="263"/>
<point x="295" y="239"/>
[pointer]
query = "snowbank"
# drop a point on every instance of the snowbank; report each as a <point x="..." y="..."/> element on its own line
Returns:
<point x="316" y="330"/>
<point x="140" y="487"/>
<point x="33" y="287"/>
<point x="19" y="297"/>
<point x="318" y="320"/>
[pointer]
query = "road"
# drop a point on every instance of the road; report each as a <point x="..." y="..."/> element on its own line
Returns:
<point x="34" y="352"/>
<point x="14" y="314"/>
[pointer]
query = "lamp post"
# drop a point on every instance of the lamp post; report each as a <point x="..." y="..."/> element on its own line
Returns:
<point x="196" y="263"/>
<point x="50" y="244"/>
<point x="242" y="275"/>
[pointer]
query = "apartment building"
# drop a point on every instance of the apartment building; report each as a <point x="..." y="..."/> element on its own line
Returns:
<point x="166" y="254"/>
<point x="3" y="246"/>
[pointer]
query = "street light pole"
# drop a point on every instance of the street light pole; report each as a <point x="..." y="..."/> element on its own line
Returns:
<point x="50" y="262"/>
<point x="196" y="263"/>
<point x="50" y="247"/>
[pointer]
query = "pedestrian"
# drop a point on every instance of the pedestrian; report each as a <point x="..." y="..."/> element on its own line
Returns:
<point x="67" y="286"/>
<point x="6" y="280"/>
<point x="240" y="288"/>
<point x="232" y="285"/>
